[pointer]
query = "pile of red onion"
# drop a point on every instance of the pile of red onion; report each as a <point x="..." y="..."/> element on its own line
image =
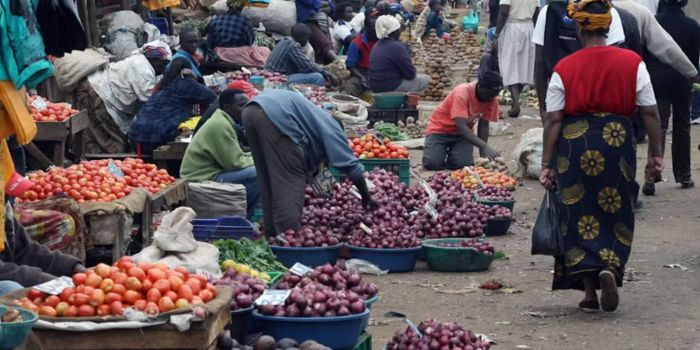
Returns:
<point x="273" y="77"/>
<point x="499" y="212"/>
<point x="335" y="277"/>
<point x="307" y="237"/>
<point x="316" y="300"/>
<point x="475" y="244"/>
<point x="245" y="288"/>
<point x="494" y="194"/>
<point x="437" y="336"/>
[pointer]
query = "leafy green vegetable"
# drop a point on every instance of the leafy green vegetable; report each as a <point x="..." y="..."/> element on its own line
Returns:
<point x="390" y="131"/>
<point x="254" y="253"/>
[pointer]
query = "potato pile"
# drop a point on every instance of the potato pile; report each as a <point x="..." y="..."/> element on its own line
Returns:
<point x="462" y="48"/>
<point x="412" y="127"/>
<point x="497" y="164"/>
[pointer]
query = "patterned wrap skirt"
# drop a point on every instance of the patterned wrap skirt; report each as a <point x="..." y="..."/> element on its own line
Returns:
<point x="596" y="165"/>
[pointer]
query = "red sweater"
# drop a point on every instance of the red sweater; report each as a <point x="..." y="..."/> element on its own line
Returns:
<point x="600" y="80"/>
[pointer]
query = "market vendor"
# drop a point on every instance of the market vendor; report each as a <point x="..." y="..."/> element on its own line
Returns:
<point x="289" y="57"/>
<point x="436" y="20"/>
<point x="215" y="153"/>
<point x="316" y="15"/>
<point x="390" y="65"/>
<point x="113" y="95"/>
<point x="157" y="121"/>
<point x="450" y="140"/>
<point x="290" y="138"/>
<point x="343" y="31"/>
<point x="357" y="61"/>
<point x="26" y="263"/>
<point x="189" y="43"/>
<point x="231" y="37"/>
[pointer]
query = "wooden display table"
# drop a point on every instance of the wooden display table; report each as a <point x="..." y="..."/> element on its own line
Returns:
<point x="167" y="199"/>
<point x="170" y="156"/>
<point x="58" y="134"/>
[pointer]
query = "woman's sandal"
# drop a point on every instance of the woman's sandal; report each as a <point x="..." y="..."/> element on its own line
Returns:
<point x="589" y="306"/>
<point x="609" y="298"/>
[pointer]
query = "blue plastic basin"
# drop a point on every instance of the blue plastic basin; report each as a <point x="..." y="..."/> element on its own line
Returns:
<point x="337" y="333"/>
<point x="394" y="260"/>
<point x="309" y="256"/>
<point x="368" y="305"/>
<point x="14" y="334"/>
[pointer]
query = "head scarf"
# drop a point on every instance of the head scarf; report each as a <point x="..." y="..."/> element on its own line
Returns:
<point x="590" y="21"/>
<point x="243" y="86"/>
<point x="386" y="25"/>
<point x="407" y="5"/>
<point x="491" y="80"/>
<point x="157" y="49"/>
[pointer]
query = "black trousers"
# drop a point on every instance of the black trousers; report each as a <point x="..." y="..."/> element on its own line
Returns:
<point x="446" y="151"/>
<point x="675" y="103"/>
<point x="279" y="163"/>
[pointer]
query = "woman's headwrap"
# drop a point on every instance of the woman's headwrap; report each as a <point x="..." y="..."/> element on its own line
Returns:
<point x="386" y="25"/>
<point x="590" y="21"/>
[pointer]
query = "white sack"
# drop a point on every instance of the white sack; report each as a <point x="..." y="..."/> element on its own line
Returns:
<point x="77" y="65"/>
<point x="528" y="153"/>
<point x="279" y="17"/>
<point x="211" y="200"/>
<point x="174" y="233"/>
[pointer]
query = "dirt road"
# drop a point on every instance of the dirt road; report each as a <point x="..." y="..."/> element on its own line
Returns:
<point x="660" y="306"/>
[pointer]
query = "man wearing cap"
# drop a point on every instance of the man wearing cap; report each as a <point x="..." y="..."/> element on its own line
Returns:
<point x="450" y="139"/>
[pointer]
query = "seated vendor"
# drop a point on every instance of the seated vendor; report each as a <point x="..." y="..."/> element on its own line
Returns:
<point x="343" y="31"/>
<point x="171" y="104"/>
<point x="216" y="154"/>
<point x="357" y="61"/>
<point x="390" y="65"/>
<point x="113" y="95"/>
<point x="189" y="43"/>
<point x="291" y="59"/>
<point x="450" y="139"/>
<point x="231" y="37"/>
<point x="436" y="19"/>
<point x="26" y="263"/>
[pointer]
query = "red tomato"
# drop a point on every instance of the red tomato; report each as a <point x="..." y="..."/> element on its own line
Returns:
<point x="153" y="295"/>
<point x="137" y="272"/>
<point x="71" y="311"/>
<point x="162" y="285"/>
<point x="119" y="289"/>
<point x="112" y="297"/>
<point x="97" y="297"/>
<point x="140" y="305"/>
<point x="130" y="296"/>
<point x="66" y="293"/>
<point x="86" y="311"/>
<point x="52" y="301"/>
<point x="155" y="274"/>
<point x="34" y="293"/>
<point x="165" y="304"/>
<point x="185" y="292"/>
<point x="117" y="308"/>
<point x="47" y="311"/>
<point x="104" y="310"/>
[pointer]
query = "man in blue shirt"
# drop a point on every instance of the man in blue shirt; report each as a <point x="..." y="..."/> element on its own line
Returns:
<point x="289" y="58"/>
<point x="290" y="138"/>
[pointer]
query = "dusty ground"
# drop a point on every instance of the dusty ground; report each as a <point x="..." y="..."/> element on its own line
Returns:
<point x="660" y="306"/>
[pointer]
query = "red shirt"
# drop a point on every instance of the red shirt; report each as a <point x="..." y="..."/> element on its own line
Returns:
<point x="600" y="80"/>
<point x="359" y="51"/>
<point x="461" y="103"/>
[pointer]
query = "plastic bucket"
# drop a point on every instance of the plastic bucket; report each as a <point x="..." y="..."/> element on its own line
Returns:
<point x="240" y="320"/>
<point x="455" y="259"/>
<point x="394" y="260"/>
<point x="497" y="227"/>
<point x="14" y="334"/>
<point x="309" y="256"/>
<point x="338" y="333"/>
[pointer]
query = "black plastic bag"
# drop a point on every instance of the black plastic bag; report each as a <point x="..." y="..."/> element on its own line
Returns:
<point x="546" y="235"/>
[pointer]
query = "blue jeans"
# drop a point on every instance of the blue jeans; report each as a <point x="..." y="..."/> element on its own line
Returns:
<point x="307" y="78"/>
<point x="9" y="287"/>
<point x="248" y="178"/>
<point x="695" y="107"/>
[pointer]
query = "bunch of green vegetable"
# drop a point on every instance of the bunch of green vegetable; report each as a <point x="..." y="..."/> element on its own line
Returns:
<point x="390" y="131"/>
<point x="254" y="253"/>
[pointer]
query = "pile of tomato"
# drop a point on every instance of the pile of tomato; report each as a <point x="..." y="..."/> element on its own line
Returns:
<point x="370" y="146"/>
<point x="92" y="181"/>
<point x="107" y="290"/>
<point x="54" y="112"/>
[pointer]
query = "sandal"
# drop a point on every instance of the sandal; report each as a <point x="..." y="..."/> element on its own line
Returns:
<point x="589" y="306"/>
<point x="609" y="298"/>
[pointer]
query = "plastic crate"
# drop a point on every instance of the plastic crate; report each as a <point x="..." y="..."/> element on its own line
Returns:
<point x="228" y="227"/>
<point x="365" y="342"/>
<point x="400" y="167"/>
<point x="392" y="115"/>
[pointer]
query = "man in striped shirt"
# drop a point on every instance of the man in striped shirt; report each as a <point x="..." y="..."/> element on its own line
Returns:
<point x="290" y="58"/>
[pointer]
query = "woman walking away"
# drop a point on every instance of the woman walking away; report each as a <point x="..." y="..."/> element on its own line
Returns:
<point x="673" y="90"/>
<point x="516" y="52"/>
<point x="592" y="97"/>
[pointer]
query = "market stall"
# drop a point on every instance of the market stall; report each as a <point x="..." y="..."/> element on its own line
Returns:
<point x="58" y="126"/>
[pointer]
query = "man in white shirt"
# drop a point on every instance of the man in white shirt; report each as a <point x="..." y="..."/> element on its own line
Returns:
<point x="652" y="5"/>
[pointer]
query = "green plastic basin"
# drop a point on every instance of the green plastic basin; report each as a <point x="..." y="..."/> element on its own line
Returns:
<point x="449" y="259"/>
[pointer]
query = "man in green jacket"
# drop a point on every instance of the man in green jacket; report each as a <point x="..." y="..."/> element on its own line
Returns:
<point x="216" y="154"/>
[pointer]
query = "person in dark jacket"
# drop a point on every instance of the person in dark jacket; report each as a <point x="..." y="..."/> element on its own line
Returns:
<point x="673" y="90"/>
<point x="26" y="263"/>
<point x="390" y="65"/>
<point x="290" y="138"/>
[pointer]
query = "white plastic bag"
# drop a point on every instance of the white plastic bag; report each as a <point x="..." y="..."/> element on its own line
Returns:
<point x="528" y="152"/>
<point x="279" y="17"/>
